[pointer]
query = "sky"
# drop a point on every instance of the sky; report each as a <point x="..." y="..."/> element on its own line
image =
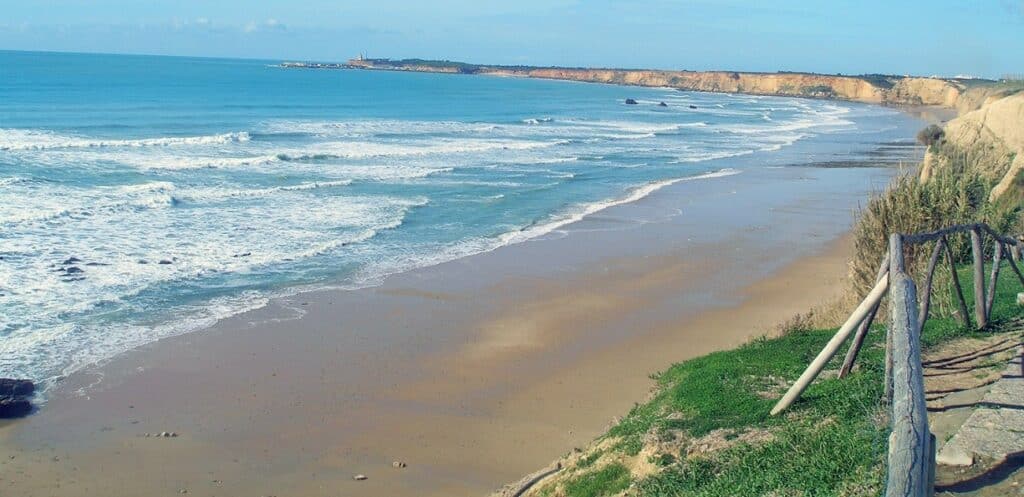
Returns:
<point x="933" y="37"/>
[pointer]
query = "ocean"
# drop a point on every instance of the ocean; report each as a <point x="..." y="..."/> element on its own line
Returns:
<point x="143" y="197"/>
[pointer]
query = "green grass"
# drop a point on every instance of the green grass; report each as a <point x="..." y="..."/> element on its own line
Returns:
<point x="608" y="480"/>
<point x="589" y="459"/>
<point x="831" y="442"/>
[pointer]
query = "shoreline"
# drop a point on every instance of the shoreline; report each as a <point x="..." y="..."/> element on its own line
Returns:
<point x="441" y="358"/>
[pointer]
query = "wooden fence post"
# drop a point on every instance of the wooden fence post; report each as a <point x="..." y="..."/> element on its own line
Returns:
<point x="926" y="295"/>
<point x="997" y="262"/>
<point x="865" y="325"/>
<point x="980" y="319"/>
<point x="964" y="318"/>
<point x="896" y="265"/>
<point x="909" y="463"/>
<point x="1013" y="265"/>
<point x="832" y="346"/>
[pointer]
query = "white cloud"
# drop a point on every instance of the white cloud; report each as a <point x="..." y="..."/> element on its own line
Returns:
<point x="267" y="25"/>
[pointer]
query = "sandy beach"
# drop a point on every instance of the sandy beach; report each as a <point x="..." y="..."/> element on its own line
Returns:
<point x="472" y="372"/>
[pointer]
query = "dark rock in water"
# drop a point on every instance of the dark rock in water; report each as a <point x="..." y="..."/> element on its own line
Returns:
<point x="662" y="104"/>
<point x="73" y="270"/>
<point x="11" y="386"/>
<point x="630" y="101"/>
<point x="693" y="106"/>
<point x="14" y="407"/>
<point x="70" y="260"/>
<point x="164" y="262"/>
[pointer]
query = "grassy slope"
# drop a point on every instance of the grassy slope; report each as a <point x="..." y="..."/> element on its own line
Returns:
<point x="832" y="442"/>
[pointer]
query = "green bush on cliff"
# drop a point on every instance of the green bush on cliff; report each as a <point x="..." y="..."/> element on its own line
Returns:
<point x="820" y="91"/>
<point x="930" y="135"/>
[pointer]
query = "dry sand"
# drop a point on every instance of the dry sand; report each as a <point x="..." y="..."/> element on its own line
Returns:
<point x="473" y="372"/>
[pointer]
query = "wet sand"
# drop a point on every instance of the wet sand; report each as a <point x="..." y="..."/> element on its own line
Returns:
<point x="473" y="372"/>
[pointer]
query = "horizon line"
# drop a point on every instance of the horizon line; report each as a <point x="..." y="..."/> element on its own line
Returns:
<point x="297" y="59"/>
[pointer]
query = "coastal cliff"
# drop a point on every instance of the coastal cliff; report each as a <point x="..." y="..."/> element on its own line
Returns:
<point x="994" y="133"/>
<point x="876" y="89"/>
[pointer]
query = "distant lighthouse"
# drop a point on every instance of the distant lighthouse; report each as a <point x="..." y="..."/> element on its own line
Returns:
<point x="360" y="61"/>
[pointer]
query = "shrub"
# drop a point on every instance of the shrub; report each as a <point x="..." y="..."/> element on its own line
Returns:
<point x="956" y="194"/>
<point x="930" y="135"/>
<point x="817" y="91"/>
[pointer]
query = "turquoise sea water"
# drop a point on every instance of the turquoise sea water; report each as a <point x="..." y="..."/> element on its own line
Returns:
<point x="142" y="197"/>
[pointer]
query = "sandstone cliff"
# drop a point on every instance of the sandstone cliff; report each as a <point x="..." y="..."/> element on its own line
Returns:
<point x="782" y="84"/>
<point x="996" y="133"/>
<point x="893" y="90"/>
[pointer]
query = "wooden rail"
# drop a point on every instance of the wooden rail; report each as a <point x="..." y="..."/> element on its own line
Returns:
<point x="911" y="460"/>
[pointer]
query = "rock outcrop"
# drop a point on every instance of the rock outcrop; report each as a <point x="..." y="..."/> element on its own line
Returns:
<point x="14" y="406"/>
<point x="14" y="397"/>
<point x="10" y="386"/>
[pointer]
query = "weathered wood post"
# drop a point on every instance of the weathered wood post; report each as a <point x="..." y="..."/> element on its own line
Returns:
<point x="954" y="274"/>
<point x="909" y="444"/>
<point x="932" y="454"/>
<point x="980" y="318"/>
<point x="997" y="263"/>
<point x="896" y="265"/>
<point x="1016" y="270"/>
<point x="832" y="346"/>
<point x="926" y="295"/>
<point x="865" y="325"/>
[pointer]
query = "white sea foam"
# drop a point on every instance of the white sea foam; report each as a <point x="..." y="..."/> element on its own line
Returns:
<point x="12" y="181"/>
<point x="219" y="194"/>
<point x="19" y="139"/>
<point x="579" y="212"/>
<point x="326" y="151"/>
<point x="373" y="128"/>
<point x="72" y="203"/>
<point x="112" y="263"/>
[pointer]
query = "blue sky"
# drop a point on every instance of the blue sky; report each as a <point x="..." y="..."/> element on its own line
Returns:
<point x="947" y="37"/>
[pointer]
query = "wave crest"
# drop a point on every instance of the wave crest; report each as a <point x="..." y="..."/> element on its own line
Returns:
<point x="19" y="139"/>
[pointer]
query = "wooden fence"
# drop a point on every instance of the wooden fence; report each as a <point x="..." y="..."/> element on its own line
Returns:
<point x="911" y="460"/>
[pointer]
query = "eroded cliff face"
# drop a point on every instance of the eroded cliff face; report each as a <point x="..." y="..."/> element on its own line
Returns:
<point x="877" y="90"/>
<point x="924" y="91"/>
<point x="781" y="84"/>
<point x="996" y="133"/>
<point x="893" y="90"/>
